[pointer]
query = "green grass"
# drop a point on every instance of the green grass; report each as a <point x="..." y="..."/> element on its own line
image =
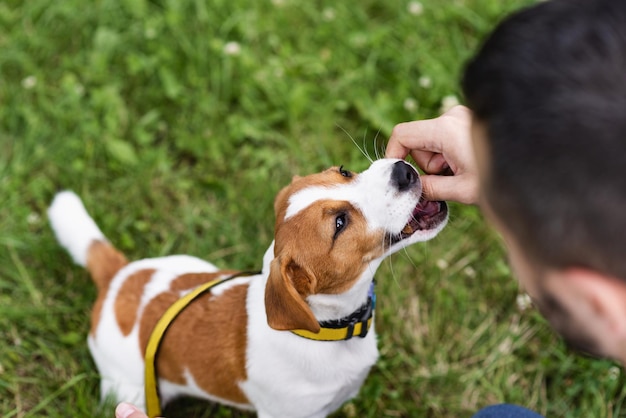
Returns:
<point x="178" y="121"/>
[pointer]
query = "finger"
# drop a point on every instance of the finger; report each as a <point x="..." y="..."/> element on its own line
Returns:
<point x="421" y="135"/>
<point x="428" y="135"/>
<point x="430" y="163"/>
<point x="462" y="189"/>
<point x="395" y="149"/>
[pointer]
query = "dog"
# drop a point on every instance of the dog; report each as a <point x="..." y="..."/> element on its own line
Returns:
<point x="254" y="342"/>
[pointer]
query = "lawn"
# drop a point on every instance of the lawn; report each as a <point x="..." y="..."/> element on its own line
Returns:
<point x="177" y="121"/>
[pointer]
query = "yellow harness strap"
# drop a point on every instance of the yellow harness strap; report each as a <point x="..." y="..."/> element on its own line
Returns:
<point x="153" y="403"/>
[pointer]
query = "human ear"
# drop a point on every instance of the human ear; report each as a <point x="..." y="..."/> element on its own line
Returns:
<point x="599" y="303"/>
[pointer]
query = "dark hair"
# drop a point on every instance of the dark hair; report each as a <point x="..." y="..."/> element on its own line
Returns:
<point x="549" y="86"/>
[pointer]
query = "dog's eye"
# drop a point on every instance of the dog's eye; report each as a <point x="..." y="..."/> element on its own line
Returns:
<point x="344" y="172"/>
<point x="341" y="221"/>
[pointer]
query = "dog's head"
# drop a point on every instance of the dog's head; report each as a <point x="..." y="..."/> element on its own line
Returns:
<point x="333" y="226"/>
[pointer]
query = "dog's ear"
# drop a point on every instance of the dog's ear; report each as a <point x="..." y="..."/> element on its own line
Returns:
<point x="284" y="304"/>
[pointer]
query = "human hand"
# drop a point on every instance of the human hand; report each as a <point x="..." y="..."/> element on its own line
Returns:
<point x="126" y="410"/>
<point x="442" y="148"/>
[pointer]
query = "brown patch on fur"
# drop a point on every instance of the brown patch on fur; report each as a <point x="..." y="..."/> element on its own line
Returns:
<point x="129" y="298"/>
<point x="103" y="262"/>
<point x="285" y="306"/>
<point x="208" y="338"/>
<point x="193" y="280"/>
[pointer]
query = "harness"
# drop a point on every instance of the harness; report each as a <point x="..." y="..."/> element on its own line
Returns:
<point x="153" y="402"/>
<point x="356" y="324"/>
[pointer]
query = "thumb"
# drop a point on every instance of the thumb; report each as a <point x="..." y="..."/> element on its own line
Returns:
<point x="455" y="188"/>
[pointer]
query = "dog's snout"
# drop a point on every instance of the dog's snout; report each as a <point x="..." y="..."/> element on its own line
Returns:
<point x="403" y="176"/>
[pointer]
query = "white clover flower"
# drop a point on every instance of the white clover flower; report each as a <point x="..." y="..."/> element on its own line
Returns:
<point x="328" y="14"/>
<point x="150" y="33"/>
<point x="232" y="48"/>
<point x="469" y="271"/>
<point x="523" y="301"/>
<point x="33" y="218"/>
<point x="410" y="104"/>
<point x="442" y="264"/>
<point x="425" y="81"/>
<point x="614" y="373"/>
<point x="29" y="82"/>
<point x="448" y="102"/>
<point x="415" y="8"/>
<point x="358" y="40"/>
<point x="350" y="410"/>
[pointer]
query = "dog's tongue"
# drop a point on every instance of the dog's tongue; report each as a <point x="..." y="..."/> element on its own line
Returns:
<point x="424" y="209"/>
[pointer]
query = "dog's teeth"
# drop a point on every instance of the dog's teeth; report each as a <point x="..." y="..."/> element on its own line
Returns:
<point x="408" y="229"/>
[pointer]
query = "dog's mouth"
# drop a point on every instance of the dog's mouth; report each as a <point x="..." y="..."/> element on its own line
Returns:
<point x="427" y="215"/>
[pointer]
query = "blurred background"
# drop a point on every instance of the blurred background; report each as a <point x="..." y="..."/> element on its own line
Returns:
<point x="177" y="121"/>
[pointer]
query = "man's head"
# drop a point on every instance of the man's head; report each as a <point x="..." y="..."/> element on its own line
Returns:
<point x="548" y="95"/>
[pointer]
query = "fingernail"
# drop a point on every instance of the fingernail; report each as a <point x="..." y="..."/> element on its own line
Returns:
<point x="124" y="410"/>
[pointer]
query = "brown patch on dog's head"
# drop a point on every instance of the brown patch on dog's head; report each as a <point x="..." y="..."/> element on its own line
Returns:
<point x="286" y="289"/>
<point x="327" y="178"/>
<point x="323" y="248"/>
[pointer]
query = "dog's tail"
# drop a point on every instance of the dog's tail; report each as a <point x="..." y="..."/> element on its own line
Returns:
<point x="77" y="232"/>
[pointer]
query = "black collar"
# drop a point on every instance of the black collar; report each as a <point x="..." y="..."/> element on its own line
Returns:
<point x="355" y="324"/>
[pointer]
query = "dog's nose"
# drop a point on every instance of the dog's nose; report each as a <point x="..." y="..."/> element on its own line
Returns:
<point x="403" y="176"/>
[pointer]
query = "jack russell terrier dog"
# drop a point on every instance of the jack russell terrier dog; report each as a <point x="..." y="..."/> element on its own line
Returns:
<point x="296" y="339"/>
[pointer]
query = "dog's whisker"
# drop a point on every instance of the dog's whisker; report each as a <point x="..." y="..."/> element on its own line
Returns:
<point x="377" y="152"/>
<point x="365" y="154"/>
<point x="387" y="242"/>
<point x="393" y="272"/>
<point x="364" y="146"/>
<point x="408" y="256"/>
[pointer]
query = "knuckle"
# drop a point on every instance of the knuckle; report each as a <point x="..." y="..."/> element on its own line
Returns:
<point x="398" y="130"/>
<point x="427" y="189"/>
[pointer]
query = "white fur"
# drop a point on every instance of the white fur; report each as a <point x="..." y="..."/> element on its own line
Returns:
<point x="191" y="388"/>
<point x="371" y="192"/>
<point x="287" y="375"/>
<point x="73" y="227"/>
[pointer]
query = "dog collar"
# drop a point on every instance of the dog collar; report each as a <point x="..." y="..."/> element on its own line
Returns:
<point x="356" y="324"/>
<point x="153" y="402"/>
